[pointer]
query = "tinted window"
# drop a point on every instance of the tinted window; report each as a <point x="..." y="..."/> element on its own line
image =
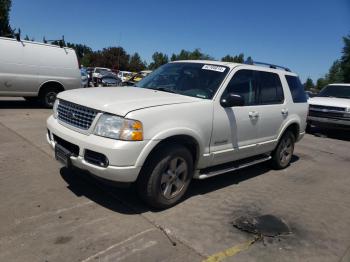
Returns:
<point x="296" y="89"/>
<point x="335" y="91"/>
<point x="243" y="84"/>
<point x="271" y="91"/>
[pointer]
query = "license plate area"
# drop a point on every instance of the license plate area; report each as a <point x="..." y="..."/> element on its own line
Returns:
<point x="62" y="154"/>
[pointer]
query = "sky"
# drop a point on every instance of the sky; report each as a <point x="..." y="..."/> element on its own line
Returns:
<point x="304" y="35"/>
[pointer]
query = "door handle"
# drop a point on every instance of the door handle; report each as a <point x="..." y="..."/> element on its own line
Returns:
<point x="253" y="114"/>
<point x="284" y="111"/>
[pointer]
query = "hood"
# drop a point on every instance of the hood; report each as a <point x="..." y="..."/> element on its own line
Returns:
<point x="330" y="101"/>
<point x="122" y="100"/>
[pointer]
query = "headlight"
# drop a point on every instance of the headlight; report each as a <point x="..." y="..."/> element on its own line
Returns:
<point x="55" y="107"/>
<point x="119" y="128"/>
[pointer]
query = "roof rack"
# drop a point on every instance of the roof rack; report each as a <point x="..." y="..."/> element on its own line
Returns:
<point x="61" y="41"/>
<point x="251" y="62"/>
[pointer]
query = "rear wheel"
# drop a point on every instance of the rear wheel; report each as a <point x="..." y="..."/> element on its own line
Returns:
<point x="166" y="176"/>
<point x="283" y="153"/>
<point x="48" y="96"/>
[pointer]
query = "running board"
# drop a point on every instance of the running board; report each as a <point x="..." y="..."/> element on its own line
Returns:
<point x="214" y="171"/>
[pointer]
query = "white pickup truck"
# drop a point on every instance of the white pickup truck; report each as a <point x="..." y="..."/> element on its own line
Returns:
<point x="331" y="107"/>
<point x="188" y="119"/>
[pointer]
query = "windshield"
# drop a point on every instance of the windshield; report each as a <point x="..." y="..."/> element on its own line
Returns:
<point x="335" y="91"/>
<point x="190" y="79"/>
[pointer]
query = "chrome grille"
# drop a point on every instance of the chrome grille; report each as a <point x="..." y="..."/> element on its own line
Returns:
<point x="320" y="108"/>
<point x="76" y="115"/>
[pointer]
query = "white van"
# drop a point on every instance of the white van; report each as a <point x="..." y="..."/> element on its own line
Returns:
<point x="36" y="70"/>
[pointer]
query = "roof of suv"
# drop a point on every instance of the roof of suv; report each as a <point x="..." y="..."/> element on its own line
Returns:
<point x="232" y="65"/>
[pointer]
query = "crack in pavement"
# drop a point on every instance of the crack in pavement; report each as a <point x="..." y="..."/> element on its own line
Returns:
<point x="125" y="204"/>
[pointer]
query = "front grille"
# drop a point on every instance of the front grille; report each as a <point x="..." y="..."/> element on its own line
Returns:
<point x="334" y="108"/>
<point x="328" y="114"/>
<point x="76" y="115"/>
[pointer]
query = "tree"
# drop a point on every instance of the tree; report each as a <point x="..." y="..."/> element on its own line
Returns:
<point x="136" y="64"/>
<point x="309" y="84"/>
<point x="335" y="73"/>
<point x="234" y="59"/>
<point x="111" y="57"/>
<point x="345" y="60"/>
<point x="321" y="83"/>
<point x="5" y="28"/>
<point x="81" y="50"/>
<point x="158" y="60"/>
<point x="188" y="55"/>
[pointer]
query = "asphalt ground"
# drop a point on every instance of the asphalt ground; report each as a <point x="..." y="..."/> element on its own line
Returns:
<point x="50" y="213"/>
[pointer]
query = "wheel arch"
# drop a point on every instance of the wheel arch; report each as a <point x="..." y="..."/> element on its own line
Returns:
<point x="293" y="126"/>
<point x="188" y="141"/>
<point x="51" y="83"/>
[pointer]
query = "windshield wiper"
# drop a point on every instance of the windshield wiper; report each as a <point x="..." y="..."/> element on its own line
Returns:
<point x="164" y="90"/>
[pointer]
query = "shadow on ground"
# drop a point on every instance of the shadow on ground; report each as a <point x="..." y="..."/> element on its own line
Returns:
<point x="19" y="104"/>
<point x="339" y="134"/>
<point x="125" y="200"/>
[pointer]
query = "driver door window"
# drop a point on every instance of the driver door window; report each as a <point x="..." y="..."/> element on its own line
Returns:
<point x="244" y="84"/>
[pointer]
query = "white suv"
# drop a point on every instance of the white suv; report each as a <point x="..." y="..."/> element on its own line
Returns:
<point x="188" y="119"/>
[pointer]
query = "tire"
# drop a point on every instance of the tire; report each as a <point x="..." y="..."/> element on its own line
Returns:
<point x="166" y="176"/>
<point x="47" y="96"/>
<point x="283" y="153"/>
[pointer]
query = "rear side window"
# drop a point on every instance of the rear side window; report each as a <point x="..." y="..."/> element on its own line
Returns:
<point x="243" y="83"/>
<point x="296" y="89"/>
<point x="271" y="91"/>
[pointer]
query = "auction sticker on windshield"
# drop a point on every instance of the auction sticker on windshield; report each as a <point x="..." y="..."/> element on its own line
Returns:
<point x="214" y="68"/>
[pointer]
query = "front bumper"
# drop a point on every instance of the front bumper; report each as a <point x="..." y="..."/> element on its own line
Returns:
<point x="329" y="122"/>
<point x="122" y="155"/>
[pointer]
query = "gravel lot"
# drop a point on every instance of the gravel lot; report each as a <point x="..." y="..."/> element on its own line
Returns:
<point x="48" y="213"/>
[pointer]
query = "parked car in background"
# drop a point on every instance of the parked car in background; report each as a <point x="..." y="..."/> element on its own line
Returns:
<point x="37" y="71"/>
<point x="97" y="73"/>
<point x="188" y="119"/>
<point x="98" y="70"/>
<point x="84" y="78"/>
<point x="310" y="94"/>
<point x="124" y="75"/>
<point x="145" y="72"/>
<point x="331" y="107"/>
<point x="109" y="79"/>
<point x="133" y="80"/>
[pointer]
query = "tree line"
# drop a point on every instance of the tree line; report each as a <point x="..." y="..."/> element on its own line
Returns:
<point x="339" y="72"/>
<point x="117" y="57"/>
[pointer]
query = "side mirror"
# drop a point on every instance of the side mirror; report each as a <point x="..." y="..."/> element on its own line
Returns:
<point x="231" y="99"/>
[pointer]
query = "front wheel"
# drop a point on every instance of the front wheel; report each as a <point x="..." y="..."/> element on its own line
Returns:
<point x="166" y="176"/>
<point x="283" y="153"/>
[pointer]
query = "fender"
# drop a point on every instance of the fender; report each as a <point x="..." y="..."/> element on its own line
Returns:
<point x="152" y="143"/>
